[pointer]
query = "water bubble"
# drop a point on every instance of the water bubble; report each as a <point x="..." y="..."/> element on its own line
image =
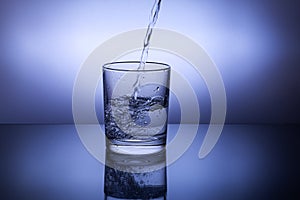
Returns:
<point x="157" y="89"/>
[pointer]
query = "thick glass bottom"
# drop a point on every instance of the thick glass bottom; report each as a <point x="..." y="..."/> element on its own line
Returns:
<point x="135" y="149"/>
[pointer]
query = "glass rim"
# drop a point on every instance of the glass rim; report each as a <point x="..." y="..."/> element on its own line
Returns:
<point x="164" y="66"/>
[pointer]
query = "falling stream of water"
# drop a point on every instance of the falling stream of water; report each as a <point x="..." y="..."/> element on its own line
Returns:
<point x="144" y="55"/>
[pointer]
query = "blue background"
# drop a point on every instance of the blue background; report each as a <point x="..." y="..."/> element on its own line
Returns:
<point x="255" y="45"/>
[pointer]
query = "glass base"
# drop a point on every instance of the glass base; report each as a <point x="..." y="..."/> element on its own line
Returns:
<point x="135" y="150"/>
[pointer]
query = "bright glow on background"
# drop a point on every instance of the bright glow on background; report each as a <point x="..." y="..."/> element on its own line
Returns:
<point x="253" y="43"/>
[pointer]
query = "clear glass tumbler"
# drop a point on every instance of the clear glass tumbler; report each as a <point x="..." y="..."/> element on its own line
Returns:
<point x="136" y="106"/>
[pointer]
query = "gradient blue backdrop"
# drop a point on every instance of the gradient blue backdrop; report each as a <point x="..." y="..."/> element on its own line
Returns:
<point x="254" y="43"/>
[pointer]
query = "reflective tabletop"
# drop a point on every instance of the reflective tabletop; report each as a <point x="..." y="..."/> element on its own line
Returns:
<point x="248" y="162"/>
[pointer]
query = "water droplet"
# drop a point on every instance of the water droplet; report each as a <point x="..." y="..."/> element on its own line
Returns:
<point x="157" y="89"/>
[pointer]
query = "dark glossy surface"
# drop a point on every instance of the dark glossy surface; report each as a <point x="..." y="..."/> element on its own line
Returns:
<point x="248" y="162"/>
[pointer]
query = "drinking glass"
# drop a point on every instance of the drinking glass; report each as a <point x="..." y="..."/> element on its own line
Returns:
<point x="136" y="106"/>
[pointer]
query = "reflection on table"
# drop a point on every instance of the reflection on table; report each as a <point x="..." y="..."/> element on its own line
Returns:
<point x="249" y="162"/>
<point x="135" y="176"/>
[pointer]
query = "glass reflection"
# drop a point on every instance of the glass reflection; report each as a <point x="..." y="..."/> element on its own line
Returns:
<point x="135" y="176"/>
